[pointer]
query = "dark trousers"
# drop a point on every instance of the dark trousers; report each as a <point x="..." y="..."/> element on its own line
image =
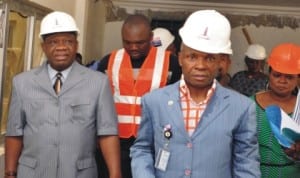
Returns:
<point x="125" y="144"/>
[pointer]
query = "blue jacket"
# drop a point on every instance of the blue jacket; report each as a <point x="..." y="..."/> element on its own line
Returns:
<point x="224" y="144"/>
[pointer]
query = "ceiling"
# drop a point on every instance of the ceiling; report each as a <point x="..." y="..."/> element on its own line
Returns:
<point x="286" y="3"/>
<point x="277" y="13"/>
<point x="263" y="6"/>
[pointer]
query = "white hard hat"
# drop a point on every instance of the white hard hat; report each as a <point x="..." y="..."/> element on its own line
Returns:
<point x="207" y="31"/>
<point x="56" y="22"/>
<point x="256" y="51"/>
<point x="162" y="37"/>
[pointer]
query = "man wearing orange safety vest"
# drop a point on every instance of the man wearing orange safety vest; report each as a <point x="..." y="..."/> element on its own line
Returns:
<point x="136" y="69"/>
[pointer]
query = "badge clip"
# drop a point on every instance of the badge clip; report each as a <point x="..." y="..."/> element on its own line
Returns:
<point x="167" y="132"/>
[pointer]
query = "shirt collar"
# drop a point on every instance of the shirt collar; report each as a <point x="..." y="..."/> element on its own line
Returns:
<point x="184" y="90"/>
<point x="52" y="72"/>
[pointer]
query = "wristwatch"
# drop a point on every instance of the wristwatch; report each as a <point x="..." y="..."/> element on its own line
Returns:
<point x="11" y="173"/>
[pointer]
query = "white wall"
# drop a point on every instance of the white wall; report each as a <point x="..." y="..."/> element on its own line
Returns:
<point x="112" y="36"/>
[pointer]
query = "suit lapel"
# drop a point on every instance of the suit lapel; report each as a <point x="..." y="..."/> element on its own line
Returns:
<point x="174" y="109"/>
<point x="42" y="79"/>
<point x="213" y="110"/>
<point x="74" y="77"/>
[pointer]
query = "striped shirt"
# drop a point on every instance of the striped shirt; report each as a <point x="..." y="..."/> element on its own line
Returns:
<point x="191" y="110"/>
<point x="274" y="163"/>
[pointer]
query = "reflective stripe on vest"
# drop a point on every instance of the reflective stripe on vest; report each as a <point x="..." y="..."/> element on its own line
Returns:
<point x="127" y="99"/>
<point x="158" y="69"/>
<point x="127" y="91"/>
<point x="129" y="119"/>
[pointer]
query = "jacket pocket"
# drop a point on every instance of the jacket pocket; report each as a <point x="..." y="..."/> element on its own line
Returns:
<point x="79" y="102"/>
<point x="85" y="163"/>
<point x="27" y="161"/>
<point x="81" y="110"/>
<point x="27" y="167"/>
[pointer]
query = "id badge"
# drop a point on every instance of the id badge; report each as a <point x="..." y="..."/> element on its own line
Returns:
<point x="162" y="158"/>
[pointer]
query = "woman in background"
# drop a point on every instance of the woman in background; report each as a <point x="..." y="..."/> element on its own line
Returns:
<point x="284" y="70"/>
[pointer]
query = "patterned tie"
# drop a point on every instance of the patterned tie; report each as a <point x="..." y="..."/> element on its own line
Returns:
<point x="58" y="83"/>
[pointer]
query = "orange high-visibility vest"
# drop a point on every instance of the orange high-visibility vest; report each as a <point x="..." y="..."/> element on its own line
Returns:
<point x="127" y="90"/>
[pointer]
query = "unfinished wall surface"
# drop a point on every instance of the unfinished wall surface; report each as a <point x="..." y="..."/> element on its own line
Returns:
<point x="266" y="36"/>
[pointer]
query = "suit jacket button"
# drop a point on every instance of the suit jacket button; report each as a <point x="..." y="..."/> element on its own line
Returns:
<point x="189" y="145"/>
<point x="187" y="172"/>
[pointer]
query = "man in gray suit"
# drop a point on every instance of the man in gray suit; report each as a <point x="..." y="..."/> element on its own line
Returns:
<point x="54" y="133"/>
<point x="197" y="128"/>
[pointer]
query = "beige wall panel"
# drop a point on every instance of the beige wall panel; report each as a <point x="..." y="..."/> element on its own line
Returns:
<point x="62" y="5"/>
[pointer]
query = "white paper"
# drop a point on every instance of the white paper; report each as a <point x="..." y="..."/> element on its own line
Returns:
<point x="296" y="115"/>
<point x="289" y="127"/>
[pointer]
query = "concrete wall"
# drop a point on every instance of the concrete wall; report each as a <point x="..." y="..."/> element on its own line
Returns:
<point x="267" y="36"/>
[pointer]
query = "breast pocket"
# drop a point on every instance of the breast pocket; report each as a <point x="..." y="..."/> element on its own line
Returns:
<point x="33" y="117"/>
<point x="81" y="110"/>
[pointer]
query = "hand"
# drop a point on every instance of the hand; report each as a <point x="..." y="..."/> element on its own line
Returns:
<point x="294" y="151"/>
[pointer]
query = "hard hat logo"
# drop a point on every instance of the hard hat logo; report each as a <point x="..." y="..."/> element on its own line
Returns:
<point x="204" y="35"/>
<point x="156" y="42"/>
<point x="162" y="37"/>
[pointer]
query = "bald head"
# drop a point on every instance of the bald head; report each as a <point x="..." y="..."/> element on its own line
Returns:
<point x="137" y="36"/>
<point x="137" y="19"/>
